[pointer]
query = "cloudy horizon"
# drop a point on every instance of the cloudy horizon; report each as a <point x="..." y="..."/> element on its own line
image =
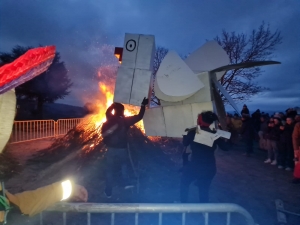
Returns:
<point x="85" y="31"/>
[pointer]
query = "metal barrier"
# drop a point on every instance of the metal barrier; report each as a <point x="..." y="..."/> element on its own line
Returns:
<point x="64" y="125"/>
<point x="136" y="209"/>
<point x="32" y="130"/>
<point x="37" y="129"/>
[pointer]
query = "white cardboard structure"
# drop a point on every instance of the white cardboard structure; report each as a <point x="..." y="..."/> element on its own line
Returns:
<point x="134" y="74"/>
<point x="171" y="121"/>
<point x="185" y="88"/>
<point x="175" y="81"/>
<point x="208" y="57"/>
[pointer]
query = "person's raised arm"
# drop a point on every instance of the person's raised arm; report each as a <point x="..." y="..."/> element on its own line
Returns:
<point x="131" y="120"/>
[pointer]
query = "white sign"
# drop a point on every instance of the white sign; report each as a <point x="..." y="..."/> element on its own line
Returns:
<point x="224" y="134"/>
<point x="206" y="138"/>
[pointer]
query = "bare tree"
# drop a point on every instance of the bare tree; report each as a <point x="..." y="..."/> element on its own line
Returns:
<point x="259" y="45"/>
<point x="160" y="54"/>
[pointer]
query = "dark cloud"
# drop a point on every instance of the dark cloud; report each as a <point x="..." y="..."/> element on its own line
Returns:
<point x="84" y="31"/>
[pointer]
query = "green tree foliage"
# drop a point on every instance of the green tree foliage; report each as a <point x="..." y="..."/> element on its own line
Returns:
<point x="48" y="87"/>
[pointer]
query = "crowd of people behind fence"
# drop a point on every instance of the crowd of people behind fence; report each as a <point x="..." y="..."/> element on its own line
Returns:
<point x="278" y="134"/>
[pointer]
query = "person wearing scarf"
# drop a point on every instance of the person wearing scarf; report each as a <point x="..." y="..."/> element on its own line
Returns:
<point x="202" y="167"/>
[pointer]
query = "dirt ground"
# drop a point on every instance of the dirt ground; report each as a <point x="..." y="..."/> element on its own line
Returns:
<point x="245" y="181"/>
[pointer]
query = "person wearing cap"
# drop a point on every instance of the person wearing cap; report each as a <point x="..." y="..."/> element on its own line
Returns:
<point x="29" y="202"/>
<point x="202" y="167"/>
<point x="114" y="132"/>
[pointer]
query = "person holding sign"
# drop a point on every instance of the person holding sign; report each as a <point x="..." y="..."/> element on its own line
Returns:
<point x="202" y="167"/>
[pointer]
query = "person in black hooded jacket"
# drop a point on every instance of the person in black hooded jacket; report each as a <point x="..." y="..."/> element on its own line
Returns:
<point x="285" y="147"/>
<point x="202" y="167"/>
<point x="114" y="133"/>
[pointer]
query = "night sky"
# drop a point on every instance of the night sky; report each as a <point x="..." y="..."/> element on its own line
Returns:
<point x="84" y="31"/>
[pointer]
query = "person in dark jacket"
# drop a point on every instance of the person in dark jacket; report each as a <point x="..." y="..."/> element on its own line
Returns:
<point x="291" y="113"/>
<point x="273" y="140"/>
<point x="114" y="132"/>
<point x="248" y="133"/>
<point x="245" y="110"/>
<point x="297" y="118"/>
<point x="256" y="119"/>
<point x="202" y="167"/>
<point x="296" y="146"/>
<point x="263" y="129"/>
<point x="285" y="146"/>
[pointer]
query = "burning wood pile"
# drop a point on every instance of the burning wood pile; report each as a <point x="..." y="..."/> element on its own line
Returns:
<point x="85" y="139"/>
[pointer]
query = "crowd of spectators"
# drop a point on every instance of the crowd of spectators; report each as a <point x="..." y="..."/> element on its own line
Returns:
<point x="277" y="134"/>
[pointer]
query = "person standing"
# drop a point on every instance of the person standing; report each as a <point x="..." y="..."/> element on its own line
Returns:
<point x="273" y="140"/>
<point x="285" y="147"/>
<point x="245" y="110"/>
<point x="297" y="118"/>
<point x="202" y="167"/>
<point x="262" y="131"/>
<point x="296" y="146"/>
<point x="114" y="132"/>
<point x="256" y="120"/>
<point x="248" y="133"/>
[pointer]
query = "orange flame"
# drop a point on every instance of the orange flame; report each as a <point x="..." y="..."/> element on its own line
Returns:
<point x="106" y="88"/>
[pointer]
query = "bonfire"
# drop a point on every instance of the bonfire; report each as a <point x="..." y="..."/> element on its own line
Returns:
<point x="85" y="138"/>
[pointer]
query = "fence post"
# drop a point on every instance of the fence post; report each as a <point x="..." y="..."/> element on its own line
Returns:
<point x="56" y="129"/>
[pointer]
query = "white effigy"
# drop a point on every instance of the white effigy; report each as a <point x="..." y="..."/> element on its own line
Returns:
<point x="134" y="74"/>
<point x="175" y="81"/>
<point x="185" y="87"/>
<point x="184" y="93"/>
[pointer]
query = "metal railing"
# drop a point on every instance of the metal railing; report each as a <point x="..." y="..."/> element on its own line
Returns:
<point x="160" y="209"/>
<point x="32" y="130"/>
<point x="64" y="125"/>
<point x="37" y="129"/>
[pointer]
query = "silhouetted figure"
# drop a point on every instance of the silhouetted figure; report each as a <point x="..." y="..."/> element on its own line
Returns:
<point x="248" y="133"/>
<point x="262" y="131"/>
<point x="245" y="110"/>
<point x="114" y="132"/>
<point x="256" y="119"/>
<point x="285" y="146"/>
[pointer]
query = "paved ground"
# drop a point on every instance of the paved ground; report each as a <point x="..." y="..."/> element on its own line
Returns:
<point x="247" y="182"/>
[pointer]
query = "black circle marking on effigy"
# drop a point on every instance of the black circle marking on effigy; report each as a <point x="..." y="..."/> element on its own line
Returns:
<point x="130" y="45"/>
